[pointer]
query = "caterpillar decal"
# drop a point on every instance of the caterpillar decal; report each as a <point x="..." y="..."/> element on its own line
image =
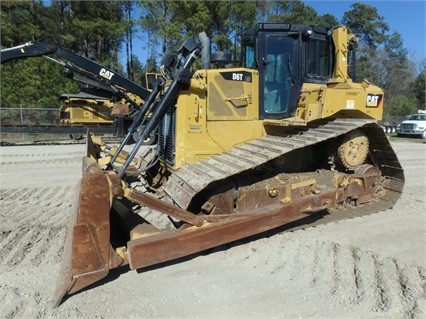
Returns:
<point x="374" y="100"/>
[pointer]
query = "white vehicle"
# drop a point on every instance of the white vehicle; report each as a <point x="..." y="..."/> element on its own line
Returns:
<point x="413" y="125"/>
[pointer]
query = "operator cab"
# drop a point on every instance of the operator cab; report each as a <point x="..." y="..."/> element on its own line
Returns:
<point x="286" y="56"/>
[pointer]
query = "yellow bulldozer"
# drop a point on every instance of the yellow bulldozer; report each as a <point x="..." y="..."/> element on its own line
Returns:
<point x="286" y="138"/>
<point x="95" y="106"/>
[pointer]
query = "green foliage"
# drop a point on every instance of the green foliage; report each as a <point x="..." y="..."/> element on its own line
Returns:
<point x="328" y="20"/>
<point x="382" y="58"/>
<point x="400" y="105"/>
<point x="138" y="70"/>
<point x="365" y="69"/>
<point x="169" y="23"/>
<point x="396" y="72"/>
<point x="156" y="21"/>
<point x="301" y="14"/>
<point x="151" y="65"/>
<point x="104" y="31"/>
<point x="93" y="29"/>
<point x="96" y="27"/>
<point x="419" y="88"/>
<point x="19" y="21"/>
<point x="34" y="82"/>
<point x="31" y="82"/>
<point x="364" y="20"/>
<point x="295" y="11"/>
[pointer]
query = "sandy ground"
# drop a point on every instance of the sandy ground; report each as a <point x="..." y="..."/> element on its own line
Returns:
<point x="366" y="267"/>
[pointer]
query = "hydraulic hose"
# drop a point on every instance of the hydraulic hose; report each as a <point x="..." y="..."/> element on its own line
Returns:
<point x="181" y="80"/>
<point x="138" y="120"/>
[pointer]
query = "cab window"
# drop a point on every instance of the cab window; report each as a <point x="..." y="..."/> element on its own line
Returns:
<point x="317" y="59"/>
<point x="249" y="61"/>
<point x="277" y="78"/>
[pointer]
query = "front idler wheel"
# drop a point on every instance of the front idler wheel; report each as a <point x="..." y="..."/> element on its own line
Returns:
<point x="353" y="152"/>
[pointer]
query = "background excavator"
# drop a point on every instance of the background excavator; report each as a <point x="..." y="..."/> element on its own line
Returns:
<point x="101" y="105"/>
<point x="93" y="106"/>
<point x="286" y="138"/>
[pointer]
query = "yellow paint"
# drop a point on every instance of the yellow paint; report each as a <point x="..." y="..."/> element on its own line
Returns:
<point x="218" y="112"/>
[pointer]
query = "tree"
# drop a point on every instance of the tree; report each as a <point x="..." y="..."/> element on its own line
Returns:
<point x="228" y="20"/>
<point x="396" y="73"/>
<point x="400" y="104"/>
<point x="170" y="23"/>
<point x="301" y="14"/>
<point x="156" y="22"/>
<point x="328" y="20"/>
<point x="364" y="20"/>
<point x="296" y="12"/>
<point x="419" y="88"/>
<point x="138" y="69"/>
<point x="33" y="82"/>
<point x="19" y="22"/>
<point x="97" y="28"/>
<point x="130" y="23"/>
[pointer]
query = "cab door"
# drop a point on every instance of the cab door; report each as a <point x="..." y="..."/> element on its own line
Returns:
<point x="279" y="70"/>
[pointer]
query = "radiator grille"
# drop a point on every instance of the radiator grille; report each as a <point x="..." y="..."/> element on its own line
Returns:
<point x="166" y="136"/>
<point x="406" y="126"/>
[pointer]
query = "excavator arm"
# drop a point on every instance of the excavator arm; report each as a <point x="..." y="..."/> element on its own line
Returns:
<point x="83" y="67"/>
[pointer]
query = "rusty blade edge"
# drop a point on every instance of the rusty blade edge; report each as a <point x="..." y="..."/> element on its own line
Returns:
<point x="87" y="249"/>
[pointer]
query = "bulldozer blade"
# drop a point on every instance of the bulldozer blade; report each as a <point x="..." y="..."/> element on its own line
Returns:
<point x="87" y="255"/>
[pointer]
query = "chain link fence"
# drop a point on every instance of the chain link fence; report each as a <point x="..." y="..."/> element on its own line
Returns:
<point x="29" y="116"/>
<point x="393" y="119"/>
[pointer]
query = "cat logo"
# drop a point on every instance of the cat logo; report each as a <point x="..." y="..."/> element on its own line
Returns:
<point x="374" y="100"/>
<point x="106" y="74"/>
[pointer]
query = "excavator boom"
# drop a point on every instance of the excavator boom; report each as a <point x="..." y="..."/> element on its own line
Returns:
<point x="83" y="67"/>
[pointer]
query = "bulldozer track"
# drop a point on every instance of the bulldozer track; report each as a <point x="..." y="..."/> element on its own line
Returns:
<point x="343" y="274"/>
<point x="31" y="247"/>
<point x="32" y="232"/>
<point x="31" y="242"/>
<point x="185" y="183"/>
